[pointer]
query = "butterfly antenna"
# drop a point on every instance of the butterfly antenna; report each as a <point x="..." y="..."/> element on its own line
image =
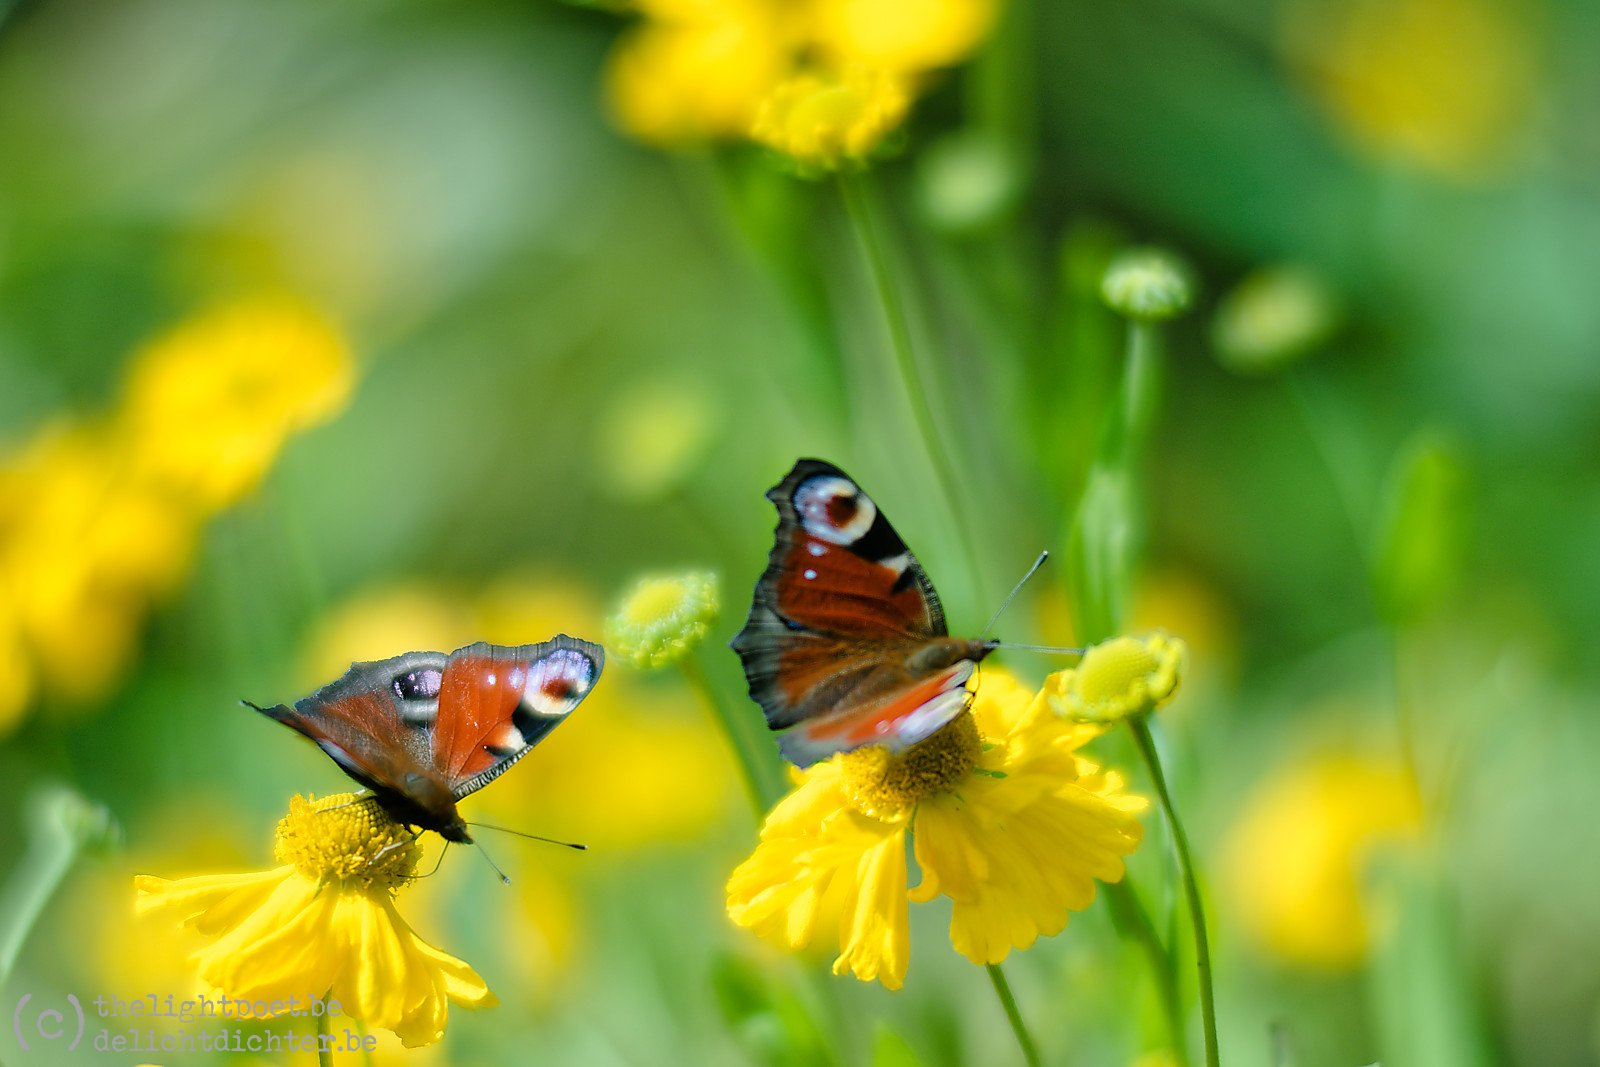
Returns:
<point x="1048" y="650"/>
<point x="438" y="862"/>
<point x="504" y="879"/>
<point x="530" y="837"/>
<point x="1014" y="591"/>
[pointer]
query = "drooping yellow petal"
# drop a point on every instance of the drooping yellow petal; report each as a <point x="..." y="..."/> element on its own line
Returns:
<point x="324" y="922"/>
<point x="874" y="930"/>
<point x="1014" y="871"/>
<point x="1020" y="844"/>
<point x="823" y="867"/>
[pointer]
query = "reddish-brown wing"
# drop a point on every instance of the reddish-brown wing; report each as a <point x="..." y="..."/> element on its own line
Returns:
<point x="845" y="633"/>
<point x="495" y="703"/>
<point x="374" y="720"/>
<point x="424" y="729"/>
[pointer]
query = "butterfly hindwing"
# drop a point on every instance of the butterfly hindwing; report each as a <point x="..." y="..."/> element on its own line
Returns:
<point x="846" y="641"/>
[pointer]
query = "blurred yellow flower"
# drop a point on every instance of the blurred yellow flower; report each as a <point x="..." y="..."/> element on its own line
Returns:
<point x="662" y="617"/>
<point x="98" y="519"/>
<point x="1295" y="858"/>
<point x="821" y="80"/>
<point x="324" y="922"/>
<point x="652" y="435"/>
<point x="901" y="35"/>
<point x="696" y="71"/>
<point x="1118" y="678"/>
<point x="824" y="119"/>
<point x="1448" y="85"/>
<point x="84" y="549"/>
<point x="1006" y="819"/>
<point x="210" y="403"/>
<point x="386" y="621"/>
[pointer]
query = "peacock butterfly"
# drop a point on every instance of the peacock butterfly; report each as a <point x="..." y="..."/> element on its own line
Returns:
<point x="424" y="729"/>
<point x="846" y="643"/>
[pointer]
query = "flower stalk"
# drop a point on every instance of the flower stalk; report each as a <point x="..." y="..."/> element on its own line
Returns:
<point x="61" y="825"/>
<point x="1139" y="726"/>
<point x="1002" y="989"/>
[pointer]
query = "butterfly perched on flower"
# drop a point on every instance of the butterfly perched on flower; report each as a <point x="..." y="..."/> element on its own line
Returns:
<point x="424" y="729"/>
<point x="846" y="643"/>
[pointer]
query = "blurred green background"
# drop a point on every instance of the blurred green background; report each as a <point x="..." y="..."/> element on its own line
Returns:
<point x="577" y="358"/>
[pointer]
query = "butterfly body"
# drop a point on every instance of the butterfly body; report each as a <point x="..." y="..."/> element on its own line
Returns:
<point x="846" y="643"/>
<point x="424" y="729"/>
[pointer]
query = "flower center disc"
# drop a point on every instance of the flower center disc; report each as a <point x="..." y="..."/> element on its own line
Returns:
<point x="886" y="784"/>
<point x="354" y="841"/>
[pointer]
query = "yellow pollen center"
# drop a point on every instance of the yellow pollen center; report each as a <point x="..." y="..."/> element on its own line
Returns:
<point x="886" y="784"/>
<point x="1110" y="670"/>
<point x="350" y="840"/>
<point x="654" y="601"/>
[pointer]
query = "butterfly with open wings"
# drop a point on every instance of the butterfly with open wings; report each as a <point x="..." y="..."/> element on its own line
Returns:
<point x="425" y="729"/>
<point x="846" y="643"/>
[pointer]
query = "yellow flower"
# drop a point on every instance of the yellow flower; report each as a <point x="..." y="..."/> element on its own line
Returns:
<point x="210" y="403"/>
<point x="1295" y="859"/>
<point x="1447" y="85"/>
<point x="84" y="548"/>
<point x="1006" y="819"/>
<point x="324" y="923"/>
<point x="697" y="71"/>
<point x="1118" y="678"/>
<point x="823" y="119"/>
<point x="662" y="618"/>
<point x="901" y="35"/>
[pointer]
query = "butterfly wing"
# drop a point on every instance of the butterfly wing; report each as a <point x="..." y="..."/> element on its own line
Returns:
<point x="375" y="721"/>
<point x="424" y="729"/>
<point x="846" y="643"/>
<point x="497" y="702"/>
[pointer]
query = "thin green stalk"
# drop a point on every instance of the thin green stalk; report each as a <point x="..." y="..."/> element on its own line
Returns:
<point x="60" y="825"/>
<point x="863" y="217"/>
<point x="1130" y="916"/>
<point x="762" y="791"/>
<point x="1002" y="989"/>
<point x="1139" y="382"/>
<point x="324" y="1045"/>
<point x="1140" y="727"/>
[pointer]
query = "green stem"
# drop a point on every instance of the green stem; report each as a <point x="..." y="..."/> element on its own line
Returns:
<point x="324" y="1045"/>
<point x="1002" y="989"/>
<point x="863" y="218"/>
<point x="1130" y="916"/>
<point x="760" y="786"/>
<point x="60" y="824"/>
<point x="1140" y="727"/>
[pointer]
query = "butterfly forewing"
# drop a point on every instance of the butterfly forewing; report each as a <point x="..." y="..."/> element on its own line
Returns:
<point x="498" y="702"/>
